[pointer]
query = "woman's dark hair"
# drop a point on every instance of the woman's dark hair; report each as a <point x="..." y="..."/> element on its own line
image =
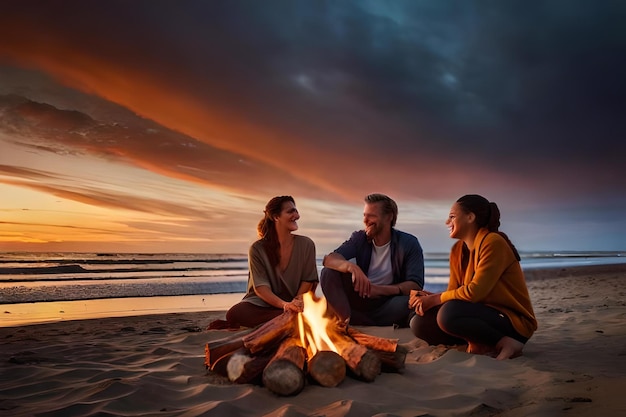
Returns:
<point x="487" y="215"/>
<point x="267" y="230"/>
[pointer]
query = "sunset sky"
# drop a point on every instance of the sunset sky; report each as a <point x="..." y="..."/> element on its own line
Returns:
<point x="165" y="126"/>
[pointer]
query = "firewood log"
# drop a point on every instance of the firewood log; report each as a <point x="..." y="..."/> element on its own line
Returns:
<point x="373" y="342"/>
<point x="241" y="367"/>
<point x="392" y="361"/>
<point x="220" y="366"/>
<point x="363" y="363"/>
<point x="266" y="336"/>
<point x="215" y="349"/>
<point x="327" y="368"/>
<point x="271" y="333"/>
<point x="284" y="375"/>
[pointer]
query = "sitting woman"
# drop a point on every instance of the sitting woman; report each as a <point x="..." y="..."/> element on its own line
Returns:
<point x="486" y="305"/>
<point x="281" y="264"/>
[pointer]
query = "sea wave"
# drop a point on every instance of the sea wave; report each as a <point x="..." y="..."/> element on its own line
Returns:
<point x="42" y="277"/>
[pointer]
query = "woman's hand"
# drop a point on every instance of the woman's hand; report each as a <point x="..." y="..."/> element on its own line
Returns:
<point x="296" y="305"/>
<point x="414" y="295"/>
<point x="266" y="294"/>
<point x="422" y="301"/>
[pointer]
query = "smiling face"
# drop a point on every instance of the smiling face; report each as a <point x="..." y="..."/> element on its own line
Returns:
<point x="376" y="223"/>
<point x="288" y="217"/>
<point x="461" y="225"/>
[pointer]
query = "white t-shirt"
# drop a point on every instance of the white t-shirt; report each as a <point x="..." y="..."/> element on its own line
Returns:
<point x="380" y="272"/>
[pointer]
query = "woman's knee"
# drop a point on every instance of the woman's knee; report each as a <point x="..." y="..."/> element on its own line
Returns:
<point x="426" y="328"/>
<point x="417" y="326"/>
<point x="449" y="314"/>
<point x="422" y="326"/>
<point x="234" y="313"/>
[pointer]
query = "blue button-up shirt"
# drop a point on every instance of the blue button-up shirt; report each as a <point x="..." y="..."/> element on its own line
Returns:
<point x="407" y="257"/>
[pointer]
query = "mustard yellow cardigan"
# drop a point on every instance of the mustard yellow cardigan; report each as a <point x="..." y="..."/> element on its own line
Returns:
<point x="493" y="276"/>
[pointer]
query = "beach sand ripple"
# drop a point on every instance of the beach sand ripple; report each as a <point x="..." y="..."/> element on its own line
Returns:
<point x="574" y="365"/>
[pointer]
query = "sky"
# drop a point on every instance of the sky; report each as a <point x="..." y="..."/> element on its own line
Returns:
<point x="166" y="126"/>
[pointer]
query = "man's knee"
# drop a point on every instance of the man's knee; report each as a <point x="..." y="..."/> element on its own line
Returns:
<point x="394" y="311"/>
<point x="330" y="278"/>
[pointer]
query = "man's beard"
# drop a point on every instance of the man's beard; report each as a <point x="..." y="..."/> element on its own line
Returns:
<point x="371" y="231"/>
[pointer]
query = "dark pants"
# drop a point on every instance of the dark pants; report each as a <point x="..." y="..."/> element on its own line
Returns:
<point x="457" y="322"/>
<point x="250" y="315"/>
<point x="347" y="304"/>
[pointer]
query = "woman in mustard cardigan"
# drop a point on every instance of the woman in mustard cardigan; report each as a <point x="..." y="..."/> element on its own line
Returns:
<point x="486" y="305"/>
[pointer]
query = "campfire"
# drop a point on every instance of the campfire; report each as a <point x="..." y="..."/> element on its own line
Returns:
<point x="293" y="348"/>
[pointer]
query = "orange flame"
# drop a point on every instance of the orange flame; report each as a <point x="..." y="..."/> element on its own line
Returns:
<point x="313" y="325"/>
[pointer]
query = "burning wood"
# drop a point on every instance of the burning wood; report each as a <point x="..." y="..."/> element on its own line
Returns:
<point x="281" y="353"/>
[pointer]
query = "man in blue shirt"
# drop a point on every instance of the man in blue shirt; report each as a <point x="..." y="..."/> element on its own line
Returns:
<point x="374" y="289"/>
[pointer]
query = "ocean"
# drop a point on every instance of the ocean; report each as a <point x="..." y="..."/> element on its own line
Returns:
<point x="152" y="282"/>
<point x="42" y="277"/>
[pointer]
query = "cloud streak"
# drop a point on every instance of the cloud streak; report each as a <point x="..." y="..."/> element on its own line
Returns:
<point x="331" y="100"/>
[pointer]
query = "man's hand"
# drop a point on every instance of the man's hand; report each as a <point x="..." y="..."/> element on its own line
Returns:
<point x="377" y="291"/>
<point x="360" y="282"/>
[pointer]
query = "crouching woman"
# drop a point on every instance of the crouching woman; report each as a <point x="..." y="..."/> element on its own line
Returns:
<point x="486" y="304"/>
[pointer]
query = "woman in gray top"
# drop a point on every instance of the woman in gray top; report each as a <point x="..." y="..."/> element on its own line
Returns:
<point x="282" y="267"/>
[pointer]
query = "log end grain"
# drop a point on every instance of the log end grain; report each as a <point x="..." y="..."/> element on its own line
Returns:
<point x="283" y="377"/>
<point x="327" y="368"/>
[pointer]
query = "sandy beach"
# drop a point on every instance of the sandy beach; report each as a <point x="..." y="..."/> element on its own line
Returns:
<point x="153" y="365"/>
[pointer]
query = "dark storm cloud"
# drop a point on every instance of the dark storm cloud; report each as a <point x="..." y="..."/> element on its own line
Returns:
<point x="424" y="100"/>
<point x="507" y="75"/>
<point x="508" y="85"/>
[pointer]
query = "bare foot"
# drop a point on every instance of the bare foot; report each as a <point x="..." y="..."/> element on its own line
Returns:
<point x="480" y="349"/>
<point x="509" y="348"/>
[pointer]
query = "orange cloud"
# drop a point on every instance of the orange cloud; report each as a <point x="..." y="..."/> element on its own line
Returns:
<point x="327" y="171"/>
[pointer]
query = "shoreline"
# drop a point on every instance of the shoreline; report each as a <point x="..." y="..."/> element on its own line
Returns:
<point x="28" y="314"/>
<point x="31" y="313"/>
<point x="154" y="365"/>
<point x="573" y="271"/>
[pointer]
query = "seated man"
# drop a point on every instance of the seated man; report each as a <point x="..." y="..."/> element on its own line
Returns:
<point x="389" y="264"/>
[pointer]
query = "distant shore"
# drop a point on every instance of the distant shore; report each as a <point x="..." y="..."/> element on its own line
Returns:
<point x="59" y="269"/>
